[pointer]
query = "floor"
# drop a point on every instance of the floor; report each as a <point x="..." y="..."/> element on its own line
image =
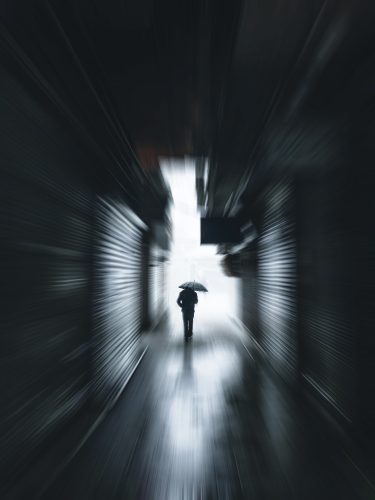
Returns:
<point x="205" y="420"/>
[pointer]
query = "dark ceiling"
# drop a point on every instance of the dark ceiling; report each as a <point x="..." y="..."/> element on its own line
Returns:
<point x="251" y="85"/>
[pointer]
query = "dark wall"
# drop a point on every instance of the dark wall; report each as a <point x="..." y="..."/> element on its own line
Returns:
<point x="321" y="134"/>
<point x="71" y="259"/>
<point x="312" y="280"/>
<point x="327" y="266"/>
<point x="46" y="247"/>
<point x="249" y="290"/>
<point x="363" y="293"/>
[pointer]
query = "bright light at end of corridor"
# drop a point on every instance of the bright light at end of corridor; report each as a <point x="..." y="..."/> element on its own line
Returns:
<point x="189" y="259"/>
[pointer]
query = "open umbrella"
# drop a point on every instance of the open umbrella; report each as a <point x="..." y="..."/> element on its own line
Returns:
<point x="194" y="285"/>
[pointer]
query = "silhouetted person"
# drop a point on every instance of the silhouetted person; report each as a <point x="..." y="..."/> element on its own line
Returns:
<point x="187" y="300"/>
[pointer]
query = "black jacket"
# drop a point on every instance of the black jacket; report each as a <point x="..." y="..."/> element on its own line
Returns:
<point x="187" y="299"/>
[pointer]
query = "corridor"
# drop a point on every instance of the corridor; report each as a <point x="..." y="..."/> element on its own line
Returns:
<point x="205" y="420"/>
<point x="145" y="144"/>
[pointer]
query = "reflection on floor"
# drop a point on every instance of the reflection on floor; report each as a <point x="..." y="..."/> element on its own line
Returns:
<point x="203" y="420"/>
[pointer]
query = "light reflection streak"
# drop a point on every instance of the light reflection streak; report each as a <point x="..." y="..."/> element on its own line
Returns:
<point x="198" y="406"/>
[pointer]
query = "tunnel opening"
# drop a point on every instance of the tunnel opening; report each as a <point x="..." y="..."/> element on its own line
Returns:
<point x="189" y="260"/>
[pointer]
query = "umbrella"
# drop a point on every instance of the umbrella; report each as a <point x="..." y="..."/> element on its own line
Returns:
<point x="194" y="285"/>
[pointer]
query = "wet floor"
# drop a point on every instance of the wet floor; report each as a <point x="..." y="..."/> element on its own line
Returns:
<point x="205" y="420"/>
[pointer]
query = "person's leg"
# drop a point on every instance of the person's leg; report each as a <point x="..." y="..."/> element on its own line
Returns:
<point x="185" y="318"/>
<point x="188" y="330"/>
<point x="191" y="317"/>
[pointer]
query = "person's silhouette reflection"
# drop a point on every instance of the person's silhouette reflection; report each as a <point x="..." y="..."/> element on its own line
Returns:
<point x="187" y="359"/>
<point x="187" y="300"/>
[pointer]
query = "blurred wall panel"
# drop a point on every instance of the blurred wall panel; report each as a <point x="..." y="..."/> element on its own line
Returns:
<point x="145" y="281"/>
<point x="157" y="284"/>
<point x="363" y="289"/>
<point x="326" y="270"/>
<point x="276" y="278"/>
<point x="118" y="294"/>
<point x="249" y="290"/>
<point x="45" y="259"/>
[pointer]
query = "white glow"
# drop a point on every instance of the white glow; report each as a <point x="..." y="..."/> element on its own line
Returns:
<point x="189" y="260"/>
<point x="200" y="379"/>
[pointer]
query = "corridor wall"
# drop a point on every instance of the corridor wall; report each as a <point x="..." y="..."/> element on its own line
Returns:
<point x="309" y="273"/>
<point x="45" y="259"/>
<point x="276" y="278"/>
<point x="302" y="279"/>
<point x="328" y="285"/>
<point x="249" y="290"/>
<point x="117" y="297"/>
<point x="157" y="284"/>
<point x="71" y="264"/>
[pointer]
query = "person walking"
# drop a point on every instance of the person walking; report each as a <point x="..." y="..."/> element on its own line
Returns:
<point x="187" y="300"/>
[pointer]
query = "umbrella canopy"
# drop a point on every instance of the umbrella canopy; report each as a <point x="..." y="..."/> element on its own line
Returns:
<point x="194" y="285"/>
